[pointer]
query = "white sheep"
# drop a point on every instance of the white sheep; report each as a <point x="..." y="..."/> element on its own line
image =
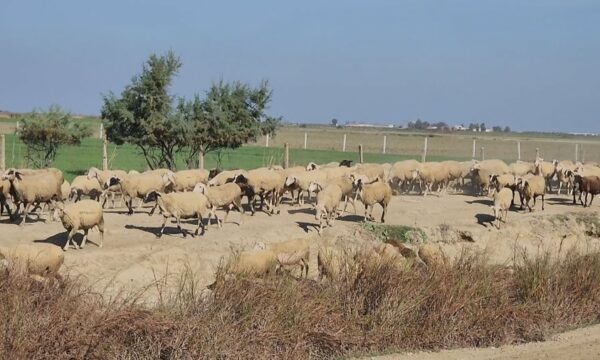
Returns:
<point x="224" y="177"/>
<point x="65" y="190"/>
<point x="103" y="177"/>
<point x="34" y="259"/>
<point x="5" y="196"/>
<point x="186" y="180"/>
<point x="530" y="187"/>
<point x="328" y="200"/>
<point x="295" y="252"/>
<point x="257" y="262"/>
<point x="547" y="170"/>
<point x="33" y="189"/>
<point x="432" y="173"/>
<point x="345" y="183"/>
<point x="264" y="183"/>
<point x="401" y="173"/>
<point x="376" y="192"/>
<point x="83" y="215"/>
<point x="300" y="181"/>
<point x="225" y="196"/>
<point x="502" y="203"/>
<point x="83" y="185"/>
<point x="181" y="206"/>
<point x="371" y="171"/>
<point x="498" y="182"/>
<point x="521" y="168"/>
<point x="139" y="186"/>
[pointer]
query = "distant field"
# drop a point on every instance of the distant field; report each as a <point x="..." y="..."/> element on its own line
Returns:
<point x="324" y="144"/>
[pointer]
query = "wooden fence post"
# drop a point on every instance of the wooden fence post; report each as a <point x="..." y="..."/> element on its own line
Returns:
<point x="201" y="160"/>
<point x="286" y="155"/>
<point x="2" y="152"/>
<point x="267" y="141"/>
<point x="384" y="143"/>
<point x="519" y="150"/>
<point x="537" y="154"/>
<point x="424" y="156"/>
<point x="576" y="152"/>
<point x="104" y="153"/>
<point x="305" y="140"/>
<point x="582" y="154"/>
<point x="482" y="153"/>
<point x="344" y="144"/>
<point x="361" y="158"/>
<point x="474" y="147"/>
<point x="101" y="136"/>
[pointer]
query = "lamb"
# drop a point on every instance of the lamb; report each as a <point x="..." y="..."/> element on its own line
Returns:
<point x="32" y="189"/>
<point x="181" y="206"/>
<point x="328" y="200"/>
<point x="531" y="187"/>
<point x="83" y="185"/>
<point x="376" y="192"/>
<point x="546" y="169"/>
<point x="186" y="180"/>
<point x="401" y="173"/>
<point x="499" y="182"/>
<point x="139" y="186"/>
<point x="565" y="177"/>
<point x="83" y="215"/>
<point x="481" y="180"/>
<point x="42" y="260"/>
<point x="503" y="200"/>
<point x="588" y="185"/>
<point x="227" y="195"/>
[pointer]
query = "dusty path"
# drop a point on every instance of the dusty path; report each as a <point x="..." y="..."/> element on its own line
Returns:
<point x="580" y="344"/>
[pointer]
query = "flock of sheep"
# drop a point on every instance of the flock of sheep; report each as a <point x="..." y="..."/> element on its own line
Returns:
<point x="197" y="194"/>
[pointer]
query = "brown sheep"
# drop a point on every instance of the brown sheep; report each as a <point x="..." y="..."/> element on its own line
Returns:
<point x="587" y="185"/>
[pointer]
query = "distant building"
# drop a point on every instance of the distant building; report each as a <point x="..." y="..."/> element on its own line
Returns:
<point x="355" y="124"/>
<point x="459" y="128"/>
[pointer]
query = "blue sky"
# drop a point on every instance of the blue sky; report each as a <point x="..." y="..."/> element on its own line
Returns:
<point x="529" y="64"/>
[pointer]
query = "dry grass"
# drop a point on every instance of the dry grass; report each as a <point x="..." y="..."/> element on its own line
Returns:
<point x="380" y="308"/>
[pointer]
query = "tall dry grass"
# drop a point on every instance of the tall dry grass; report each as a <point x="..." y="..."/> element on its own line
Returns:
<point x="381" y="307"/>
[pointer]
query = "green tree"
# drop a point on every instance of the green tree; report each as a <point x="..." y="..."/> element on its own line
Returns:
<point x="334" y="122"/>
<point x="507" y="129"/>
<point x="143" y="115"/>
<point x="43" y="133"/>
<point x="482" y="127"/>
<point x="229" y="116"/>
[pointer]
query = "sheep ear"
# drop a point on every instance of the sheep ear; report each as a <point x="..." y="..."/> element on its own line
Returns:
<point x="18" y="175"/>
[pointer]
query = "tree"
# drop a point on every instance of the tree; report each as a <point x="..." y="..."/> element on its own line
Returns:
<point x="43" y="133"/>
<point x="497" y="128"/>
<point x="334" y="122"/>
<point x="230" y="116"/>
<point x="143" y="115"/>
<point x="482" y="127"/>
<point x="507" y="129"/>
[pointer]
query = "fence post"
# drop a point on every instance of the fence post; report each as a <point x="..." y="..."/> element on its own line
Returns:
<point x="424" y="156"/>
<point x="2" y="152"/>
<point x="18" y="126"/>
<point x="201" y="160"/>
<point x="267" y="141"/>
<point x="537" y="154"/>
<point x="305" y="140"/>
<point x="384" y="143"/>
<point x="474" y="147"/>
<point x="104" y="153"/>
<point x="482" y="153"/>
<point x="361" y="158"/>
<point x="101" y="131"/>
<point x="576" y="152"/>
<point x="519" y="150"/>
<point x="582" y="154"/>
<point x="344" y="144"/>
<point x="286" y="155"/>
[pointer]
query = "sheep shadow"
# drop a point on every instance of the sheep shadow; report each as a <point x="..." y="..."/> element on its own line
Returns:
<point x="306" y="226"/>
<point x="309" y="211"/>
<point x="60" y="239"/>
<point x="351" y="218"/>
<point x="485" y="219"/>
<point x="481" y="201"/>
<point x="169" y="230"/>
<point x="560" y="201"/>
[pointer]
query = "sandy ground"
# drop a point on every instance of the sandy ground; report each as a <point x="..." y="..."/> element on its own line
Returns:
<point x="133" y="258"/>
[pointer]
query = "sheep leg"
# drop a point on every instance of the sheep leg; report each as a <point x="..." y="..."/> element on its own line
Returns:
<point x="219" y="223"/>
<point x="25" y="213"/>
<point x="384" y="212"/>
<point x="153" y="208"/>
<point x="371" y="212"/>
<point x="585" y="202"/>
<point x="85" y="236"/>
<point x="101" y="230"/>
<point x="200" y="224"/>
<point x="5" y="205"/>
<point x="179" y="226"/>
<point x="162" y="228"/>
<point x="70" y="235"/>
<point x="129" y="203"/>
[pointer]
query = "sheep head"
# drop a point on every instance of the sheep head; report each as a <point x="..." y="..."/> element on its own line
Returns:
<point x="290" y="180"/>
<point x="200" y="187"/>
<point x="213" y="172"/>
<point x="314" y="187"/>
<point x="311" y="166"/>
<point x="112" y="181"/>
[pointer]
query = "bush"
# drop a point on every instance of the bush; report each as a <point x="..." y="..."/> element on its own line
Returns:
<point x="380" y="307"/>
